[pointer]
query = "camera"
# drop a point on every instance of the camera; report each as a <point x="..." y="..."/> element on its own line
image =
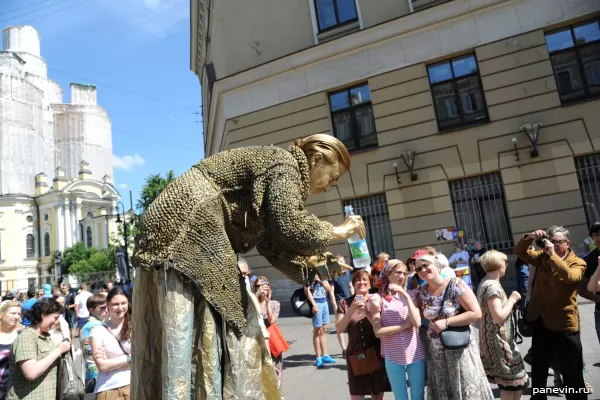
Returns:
<point x="541" y="243"/>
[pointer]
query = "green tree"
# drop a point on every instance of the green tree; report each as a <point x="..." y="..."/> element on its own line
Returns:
<point x="99" y="261"/>
<point x="154" y="185"/>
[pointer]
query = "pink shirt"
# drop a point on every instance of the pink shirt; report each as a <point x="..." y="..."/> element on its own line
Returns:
<point x="404" y="347"/>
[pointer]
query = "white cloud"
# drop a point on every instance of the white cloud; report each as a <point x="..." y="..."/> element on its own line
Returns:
<point x="161" y="16"/>
<point x="127" y="162"/>
<point x="122" y="186"/>
<point x="152" y="4"/>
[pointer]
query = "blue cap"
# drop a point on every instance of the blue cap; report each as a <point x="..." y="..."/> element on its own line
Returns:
<point x="47" y="290"/>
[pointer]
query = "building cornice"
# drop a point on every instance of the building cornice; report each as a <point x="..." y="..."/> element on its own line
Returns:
<point x="198" y="34"/>
<point x="446" y="29"/>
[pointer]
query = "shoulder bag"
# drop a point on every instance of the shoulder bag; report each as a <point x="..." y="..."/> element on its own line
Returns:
<point x="454" y="337"/>
<point x="300" y="304"/>
<point x="70" y="385"/>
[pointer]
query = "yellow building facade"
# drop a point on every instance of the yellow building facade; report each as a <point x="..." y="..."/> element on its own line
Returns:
<point x="62" y="213"/>
<point x="480" y="117"/>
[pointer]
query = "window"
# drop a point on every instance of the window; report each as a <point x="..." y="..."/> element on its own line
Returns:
<point x="31" y="283"/>
<point x="457" y="92"/>
<point x="480" y="210"/>
<point x="30" y="245"/>
<point x="575" y="56"/>
<point x="588" y="175"/>
<point x="352" y="116"/>
<point x="374" y="212"/>
<point x="46" y="244"/>
<point x="88" y="237"/>
<point x="332" y="13"/>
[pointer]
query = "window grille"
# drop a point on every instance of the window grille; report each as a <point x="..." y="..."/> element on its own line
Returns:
<point x="30" y="245"/>
<point x="588" y="175"/>
<point x="31" y="283"/>
<point x="480" y="211"/>
<point x="375" y="214"/>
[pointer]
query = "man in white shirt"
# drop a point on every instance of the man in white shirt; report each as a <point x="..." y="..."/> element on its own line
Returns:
<point x="81" y="311"/>
<point x="459" y="260"/>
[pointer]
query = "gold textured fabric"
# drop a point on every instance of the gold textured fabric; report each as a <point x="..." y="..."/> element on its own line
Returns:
<point x="230" y="203"/>
<point x="228" y="367"/>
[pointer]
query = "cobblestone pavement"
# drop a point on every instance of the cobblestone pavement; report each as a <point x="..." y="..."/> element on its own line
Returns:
<point x="302" y="381"/>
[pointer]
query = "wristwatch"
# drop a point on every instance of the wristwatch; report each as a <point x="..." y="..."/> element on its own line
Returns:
<point x="128" y="359"/>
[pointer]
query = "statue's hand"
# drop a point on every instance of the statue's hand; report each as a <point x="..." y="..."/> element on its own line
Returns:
<point x="352" y="225"/>
<point x="327" y="266"/>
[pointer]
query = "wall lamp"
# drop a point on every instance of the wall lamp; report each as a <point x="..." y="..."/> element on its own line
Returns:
<point x="514" y="142"/>
<point x="533" y="135"/>
<point x="409" y="160"/>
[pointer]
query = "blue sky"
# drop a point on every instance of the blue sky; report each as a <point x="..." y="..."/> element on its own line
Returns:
<point x="137" y="46"/>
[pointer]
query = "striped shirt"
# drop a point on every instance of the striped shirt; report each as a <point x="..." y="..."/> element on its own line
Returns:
<point x="403" y="347"/>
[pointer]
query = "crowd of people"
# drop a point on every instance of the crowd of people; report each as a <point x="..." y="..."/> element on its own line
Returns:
<point x="409" y="324"/>
<point x="36" y="330"/>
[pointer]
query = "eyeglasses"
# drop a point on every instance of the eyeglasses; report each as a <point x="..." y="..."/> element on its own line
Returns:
<point x="401" y="273"/>
<point x="558" y="242"/>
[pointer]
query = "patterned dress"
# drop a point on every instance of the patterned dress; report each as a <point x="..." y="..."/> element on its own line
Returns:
<point x="500" y="355"/>
<point x="4" y="364"/>
<point x="451" y="374"/>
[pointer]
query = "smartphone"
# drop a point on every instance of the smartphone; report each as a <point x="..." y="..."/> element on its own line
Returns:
<point x="359" y="297"/>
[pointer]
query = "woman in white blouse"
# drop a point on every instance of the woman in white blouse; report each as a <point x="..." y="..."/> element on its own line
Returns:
<point x="111" y="346"/>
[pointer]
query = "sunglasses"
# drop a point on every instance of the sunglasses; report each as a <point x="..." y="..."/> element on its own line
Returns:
<point x="421" y="267"/>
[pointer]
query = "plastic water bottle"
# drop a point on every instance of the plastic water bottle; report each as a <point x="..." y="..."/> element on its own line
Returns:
<point x="358" y="247"/>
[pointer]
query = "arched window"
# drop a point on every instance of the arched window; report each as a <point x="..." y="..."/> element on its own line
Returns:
<point x="88" y="236"/>
<point x="46" y="244"/>
<point x="30" y="245"/>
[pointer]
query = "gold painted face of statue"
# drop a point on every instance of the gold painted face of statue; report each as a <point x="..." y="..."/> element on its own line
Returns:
<point x="323" y="175"/>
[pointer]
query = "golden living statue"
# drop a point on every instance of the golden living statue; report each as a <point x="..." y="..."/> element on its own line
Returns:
<point x="187" y="276"/>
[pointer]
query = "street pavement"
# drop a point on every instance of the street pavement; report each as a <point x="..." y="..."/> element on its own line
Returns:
<point x="302" y="381"/>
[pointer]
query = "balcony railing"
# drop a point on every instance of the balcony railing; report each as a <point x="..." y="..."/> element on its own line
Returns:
<point x="418" y="5"/>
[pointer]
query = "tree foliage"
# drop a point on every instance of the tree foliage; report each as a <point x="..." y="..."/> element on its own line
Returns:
<point x="87" y="263"/>
<point x="154" y="185"/>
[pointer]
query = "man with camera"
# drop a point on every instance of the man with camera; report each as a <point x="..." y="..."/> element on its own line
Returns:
<point x="552" y="309"/>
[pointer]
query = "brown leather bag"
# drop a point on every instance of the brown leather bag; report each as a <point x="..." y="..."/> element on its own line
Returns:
<point x="364" y="362"/>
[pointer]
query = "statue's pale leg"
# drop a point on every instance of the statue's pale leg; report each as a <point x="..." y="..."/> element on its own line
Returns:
<point x="177" y="311"/>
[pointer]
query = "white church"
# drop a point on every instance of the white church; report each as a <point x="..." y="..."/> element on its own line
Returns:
<point x="56" y="186"/>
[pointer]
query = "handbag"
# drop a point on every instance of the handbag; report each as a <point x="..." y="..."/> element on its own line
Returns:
<point x="70" y="385"/>
<point x="364" y="362"/>
<point x="300" y="304"/>
<point x="277" y="342"/>
<point x="454" y="337"/>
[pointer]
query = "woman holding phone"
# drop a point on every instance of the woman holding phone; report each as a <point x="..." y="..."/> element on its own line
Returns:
<point x="269" y="310"/>
<point x="356" y="321"/>
<point x="396" y="321"/>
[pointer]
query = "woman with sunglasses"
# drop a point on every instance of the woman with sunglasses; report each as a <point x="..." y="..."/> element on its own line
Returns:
<point x="396" y="322"/>
<point x="451" y="374"/>
<point x="269" y="310"/>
